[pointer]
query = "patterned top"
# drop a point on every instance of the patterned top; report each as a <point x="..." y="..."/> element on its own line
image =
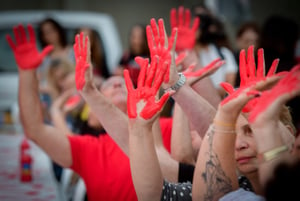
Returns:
<point x="177" y="191"/>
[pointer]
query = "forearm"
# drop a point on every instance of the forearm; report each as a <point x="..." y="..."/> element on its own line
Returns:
<point x="206" y="89"/>
<point x="145" y="168"/>
<point x="198" y="110"/>
<point x="29" y="103"/>
<point x="215" y="173"/>
<point x="181" y="143"/>
<point x="114" y="121"/>
<point x="59" y="121"/>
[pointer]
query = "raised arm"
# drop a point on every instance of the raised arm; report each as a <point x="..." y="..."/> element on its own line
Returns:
<point x="50" y="139"/>
<point x="107" y="113"/>
<point x="143" y="108"/>
<point x="196" y="108"/>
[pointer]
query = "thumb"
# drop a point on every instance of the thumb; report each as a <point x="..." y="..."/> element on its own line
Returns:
<point x="46" y="50"/>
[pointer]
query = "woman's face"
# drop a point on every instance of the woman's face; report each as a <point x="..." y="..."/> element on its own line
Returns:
<point x="114" y="88"/>
<point x="249" y="37"/>
<point x="245" y="148"/>
<point x="137" y="40"/>
<point x="50" y="34"/>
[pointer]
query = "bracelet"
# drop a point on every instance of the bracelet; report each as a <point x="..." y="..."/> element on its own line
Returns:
<point x="180" y="82"/>
<point x="273" y="153"/>
<point x="220" y="123"/>
<point x="222" y="131"/>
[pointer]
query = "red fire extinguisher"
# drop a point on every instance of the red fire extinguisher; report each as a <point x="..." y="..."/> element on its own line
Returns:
<point x="25" y="161"/>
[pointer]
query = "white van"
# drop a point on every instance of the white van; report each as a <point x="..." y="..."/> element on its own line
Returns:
<point x="103" y="24"/>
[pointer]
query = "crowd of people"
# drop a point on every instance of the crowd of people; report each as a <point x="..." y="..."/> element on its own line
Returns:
<point x="185" y="116"/>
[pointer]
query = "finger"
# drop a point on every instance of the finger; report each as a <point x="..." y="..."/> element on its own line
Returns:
<point x="17" y="35"/>
<point x="143" y="63"/>
<point x="81" y="47"/>
<point x="162" y="33"/>
<point x="163" y="100"/>
<point x="88" y="49"/>
<point x="172" y="41"/>
<point x="273" y="68"/>
<point x="22" y="33"/>
<point x="260" y="73"/>
<point x="85" y="48"/>
<point x="173" y="18"/>
<point x="150" y="39"/>
<point x="10" y="42"/>
<point x="128" y="81"/>
<point x="46" y="51"/>
<point x="251" y="68"/>
<point x="31" y="33"/>
<point x="161" y="72"/>
<point x="154" y="31"/>
<point x="180" y="16"/>
<point x="227" y="87"/>
<point x="187" y="19"/>
<point x="152" y="71"/>
<point x="243" y="71"/>
<point x="196" y="24"/>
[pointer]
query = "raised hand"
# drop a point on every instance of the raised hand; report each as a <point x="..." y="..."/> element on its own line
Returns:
<point x="25" y="50"/>
<point x="186" y="37"/>
<point x="249" y="74"/>
<point x="83" y="61"/>
<point x="160" y="45"/>
<point x="193" y="76"/>
<point x="271" y="101"/>
<point x="142" y="101"/>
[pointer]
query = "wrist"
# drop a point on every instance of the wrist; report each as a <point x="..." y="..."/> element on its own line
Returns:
<point x="175" y="86"/>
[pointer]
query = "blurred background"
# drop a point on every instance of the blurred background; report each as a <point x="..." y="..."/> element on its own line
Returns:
<point x="126" y="13"/>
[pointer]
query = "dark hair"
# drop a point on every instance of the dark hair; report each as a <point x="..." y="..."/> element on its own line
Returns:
<point x="246" y="26"/>
<point x="145" y="49"/>
<point x="57" y="27"/>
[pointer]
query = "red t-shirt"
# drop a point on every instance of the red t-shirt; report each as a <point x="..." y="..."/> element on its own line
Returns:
<point x="105" y="168"/>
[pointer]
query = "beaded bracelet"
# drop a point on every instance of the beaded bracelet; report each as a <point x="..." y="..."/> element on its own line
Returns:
<point x="272" y="154"/>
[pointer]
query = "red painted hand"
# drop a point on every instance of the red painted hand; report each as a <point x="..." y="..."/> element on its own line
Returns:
<point x="142" y="101"/>
<point x="25" y="51"/>
<point x="249" y="74"/>
<point x="186" y="37"/>
<point x="159" y="44"/>
<point x="287" y="88"/>
<point x="82" y="57"/>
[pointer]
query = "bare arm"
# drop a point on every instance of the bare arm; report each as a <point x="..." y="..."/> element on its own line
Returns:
<point x="51" y="140"/>
<point x="181" y="143"/>
<point x="107" y="113"/>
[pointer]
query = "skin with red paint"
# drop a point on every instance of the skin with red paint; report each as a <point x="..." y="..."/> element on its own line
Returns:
<point x="81" y="48"/>
<point x="149" y="82"/>
<point x="286" y="86"/>
<point x="159" y="44"/>
<point x="25" y="50"/>
<point x="186" y="37"/>
<point x="209" y="69"/>
<point x="73" y="100"/>
<point x="249" y="74"/>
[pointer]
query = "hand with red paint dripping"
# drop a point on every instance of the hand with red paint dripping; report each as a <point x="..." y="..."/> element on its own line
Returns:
<point x="186" y="36"/>
<point x="249" y="74"/>
<point x="270" y="103"/>
<point x="83" y="61"/>
<point x="194" y="76"/>
<point x="25" y="50"/>
<point x="163" y="47"/>
<point x="142" y="101"/>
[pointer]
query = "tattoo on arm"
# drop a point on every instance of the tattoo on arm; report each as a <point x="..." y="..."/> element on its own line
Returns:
<point x="214" y="176"/>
